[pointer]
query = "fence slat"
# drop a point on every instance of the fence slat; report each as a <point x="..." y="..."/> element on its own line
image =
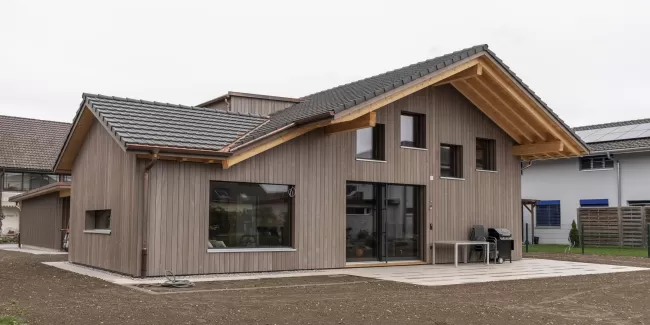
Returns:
<point x="604" y="227"/>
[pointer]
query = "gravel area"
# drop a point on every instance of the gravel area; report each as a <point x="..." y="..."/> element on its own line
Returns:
<point x="45" y="295"/>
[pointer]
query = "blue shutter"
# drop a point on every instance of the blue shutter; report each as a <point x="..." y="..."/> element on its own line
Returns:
<point x="547" y="213"/>
<point x="594" y="203"/>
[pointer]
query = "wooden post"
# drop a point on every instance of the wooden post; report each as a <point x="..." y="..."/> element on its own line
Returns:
<point x="620" y="227"/>
<point x="582" y="236"/>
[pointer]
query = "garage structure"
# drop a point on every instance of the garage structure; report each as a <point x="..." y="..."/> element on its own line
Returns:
<point x="372" y="172"/>
<point x="45" y="215"/>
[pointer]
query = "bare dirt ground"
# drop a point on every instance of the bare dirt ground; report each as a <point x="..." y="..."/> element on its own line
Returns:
<point x="44" y="295"/>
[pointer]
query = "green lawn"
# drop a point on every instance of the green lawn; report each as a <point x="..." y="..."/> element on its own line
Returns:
<point x="620" y="251"/>
<point x="10" y="320"/>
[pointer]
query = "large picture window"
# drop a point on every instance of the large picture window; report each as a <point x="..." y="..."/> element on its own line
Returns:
<point x="249" y="215"/>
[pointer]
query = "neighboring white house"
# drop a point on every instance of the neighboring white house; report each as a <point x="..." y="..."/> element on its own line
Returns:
<point x="28" y="149"/>
<point x="616" y="172"/>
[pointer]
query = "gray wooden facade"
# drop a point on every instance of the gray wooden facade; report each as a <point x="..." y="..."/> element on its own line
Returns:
<point x="319" y="165"/>
<point x="42" y="219"/>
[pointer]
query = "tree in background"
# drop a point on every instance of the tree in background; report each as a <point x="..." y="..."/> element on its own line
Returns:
<point x="574" y="236"/>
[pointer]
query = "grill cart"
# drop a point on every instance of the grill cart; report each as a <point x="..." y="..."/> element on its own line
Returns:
<point x="505" y="243"/>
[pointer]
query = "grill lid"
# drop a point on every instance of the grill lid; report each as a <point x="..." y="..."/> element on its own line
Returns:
<point x="503" y="232"/>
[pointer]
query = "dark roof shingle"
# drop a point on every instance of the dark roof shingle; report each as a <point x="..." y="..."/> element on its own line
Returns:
<point x="30" y="144"/>
<point x="138" y="122"/>
<point x="346" y="96"/>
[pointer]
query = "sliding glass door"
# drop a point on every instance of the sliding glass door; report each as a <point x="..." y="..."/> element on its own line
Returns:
<point x="383" y="222"/>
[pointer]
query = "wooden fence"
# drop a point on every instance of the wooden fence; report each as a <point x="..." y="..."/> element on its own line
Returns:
<point x="606" y="227"/>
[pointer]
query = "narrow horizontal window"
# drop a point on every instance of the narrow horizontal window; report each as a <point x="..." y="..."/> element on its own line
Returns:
<point x="595" y="163"/>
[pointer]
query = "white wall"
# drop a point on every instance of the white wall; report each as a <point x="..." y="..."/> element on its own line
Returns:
<point x="635" y="177"/>
<point x="11" y="213"/>
<point x="561" y="180"/>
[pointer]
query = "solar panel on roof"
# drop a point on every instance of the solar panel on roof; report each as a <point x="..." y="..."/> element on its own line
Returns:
<point x="644" y="126"/>
<point x="611" y="136"/>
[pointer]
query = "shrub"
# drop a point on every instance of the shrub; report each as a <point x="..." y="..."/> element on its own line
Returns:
<point x="574" y="236"/>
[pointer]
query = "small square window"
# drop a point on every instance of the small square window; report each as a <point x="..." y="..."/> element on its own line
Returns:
<point x="413" y="130"/>
<point x="370" y="143"/>
<point x="98" y="220"/>
<point x="451" y="161"/>
<point x="485" y="154"/>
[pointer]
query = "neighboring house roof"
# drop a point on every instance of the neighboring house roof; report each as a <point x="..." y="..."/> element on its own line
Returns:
<point x="349" y="95"/>
<point x="47" y="189"/>
<point x="30" y="144"/>
<point x="138" y="122"/>
<point x="617" y="145"/>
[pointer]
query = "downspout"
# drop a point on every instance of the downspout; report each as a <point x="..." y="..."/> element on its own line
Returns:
<point x="145" y="213"/>
<point x="618" y="193"/>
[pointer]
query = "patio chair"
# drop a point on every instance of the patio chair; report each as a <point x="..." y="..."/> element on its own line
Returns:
<point x="478" y="233"/>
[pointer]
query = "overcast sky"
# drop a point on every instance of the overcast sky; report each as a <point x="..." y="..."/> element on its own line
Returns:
<point x="586" y="59"/>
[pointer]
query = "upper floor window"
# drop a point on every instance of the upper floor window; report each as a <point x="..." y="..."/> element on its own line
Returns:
<point x="27" y="181"/>
<point x="547" y="213"/>
<point x="370" y="143"/>
<point x="451" y="161"/>
<point x="595" y="163"/>
<point x="485" y="154"/>
<point x="412" y="130"/>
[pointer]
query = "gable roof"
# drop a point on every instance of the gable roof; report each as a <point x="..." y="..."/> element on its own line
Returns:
<point x="346" y="96"/>
<point x="143" y="125"/>
<point x="30" y="144"/>
<point x="139" y="122"/>
<point x="617" y="145"/>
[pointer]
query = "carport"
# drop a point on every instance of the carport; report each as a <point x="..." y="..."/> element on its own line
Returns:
<point x="44" y="216"/>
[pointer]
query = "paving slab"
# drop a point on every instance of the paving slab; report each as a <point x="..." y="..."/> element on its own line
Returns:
<point x="30" y="250"/>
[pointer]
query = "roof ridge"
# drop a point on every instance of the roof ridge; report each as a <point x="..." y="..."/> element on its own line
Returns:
<point x="611" y="124"/>
<point x="141" y="101"/>
<point x="34" y="119"/>
<point x="483" y="46"/>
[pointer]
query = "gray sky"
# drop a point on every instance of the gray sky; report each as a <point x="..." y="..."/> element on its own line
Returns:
<point x="586" y="59"/>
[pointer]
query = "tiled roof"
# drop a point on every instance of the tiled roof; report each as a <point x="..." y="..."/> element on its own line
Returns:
<point x="346" y="96"/>
<point x="138" y="122"/>
<point x="618" y="144"/>
<point x="30" y="144"/>
<point x="612" y="124"/>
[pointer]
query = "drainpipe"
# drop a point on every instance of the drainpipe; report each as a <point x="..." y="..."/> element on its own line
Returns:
<point x="618" y="193"/>
<point x="145" y="212"/>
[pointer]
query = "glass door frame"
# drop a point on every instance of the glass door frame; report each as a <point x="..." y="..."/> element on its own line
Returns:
<point x="380" y="215"/>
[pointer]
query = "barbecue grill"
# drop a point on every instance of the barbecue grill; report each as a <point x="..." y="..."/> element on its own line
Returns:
<point x="505" y="243"/>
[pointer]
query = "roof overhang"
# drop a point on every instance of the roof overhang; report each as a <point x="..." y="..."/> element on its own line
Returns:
<point x="539" y="134"/>
<point x="63" y="188"/>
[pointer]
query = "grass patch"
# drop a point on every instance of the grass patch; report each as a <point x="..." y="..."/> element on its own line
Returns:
<point x="618" y="251"/>
<point x="10" y="320"/>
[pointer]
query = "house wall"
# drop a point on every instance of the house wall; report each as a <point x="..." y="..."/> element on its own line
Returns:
<point x="562" y="180"/>
<point x="319" y="166"/>
<point x="11" y="213"/>
<point x="255" y="106"/>
<point x="104" y="177"/>
<point x="41" y="220"/>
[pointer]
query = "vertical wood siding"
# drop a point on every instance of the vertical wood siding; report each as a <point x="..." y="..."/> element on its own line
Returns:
<point x="319" y="166"/>
<point x="41" y="221"/>
<point x="103" y="177"/>
<point x="257" y="106"/>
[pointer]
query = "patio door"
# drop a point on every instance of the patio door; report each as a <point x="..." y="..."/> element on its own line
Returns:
<point x="383" y="222"/>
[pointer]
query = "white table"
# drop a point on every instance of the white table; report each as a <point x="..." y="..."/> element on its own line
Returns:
<point x="465" y="243"/>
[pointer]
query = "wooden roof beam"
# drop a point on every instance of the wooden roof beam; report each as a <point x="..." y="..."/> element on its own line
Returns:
<point x="471" y="72"/>
<point x="543" y="120"/>
<point x="536" y="149"/>
<point x="365" y="121"/>
<point x="494" y="114"/>
<point x="502" y="102"/>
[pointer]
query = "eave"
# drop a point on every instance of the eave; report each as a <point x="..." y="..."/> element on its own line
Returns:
<point x="63" y="188"/>
<point x="538" y="134"/>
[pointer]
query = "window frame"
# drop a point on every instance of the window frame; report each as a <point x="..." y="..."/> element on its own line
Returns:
<point x="489" y="155"/>
<point x="419" y="130"/>
<point x="548" y="205"/>
<point x="378" y="143"/>
<point x="292" y="215"/>
<point x="90" y="223"/>
<point x="456" y="161"/>
<point x="592" y="159"/>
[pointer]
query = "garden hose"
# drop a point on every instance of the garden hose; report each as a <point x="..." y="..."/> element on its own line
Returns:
<point x="173" y="283"/>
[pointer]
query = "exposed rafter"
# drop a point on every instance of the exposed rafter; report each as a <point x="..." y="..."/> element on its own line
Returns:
<point x="365" y="121"/>
<point x="544" y="148"/>
<point x="471" y="72"/>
